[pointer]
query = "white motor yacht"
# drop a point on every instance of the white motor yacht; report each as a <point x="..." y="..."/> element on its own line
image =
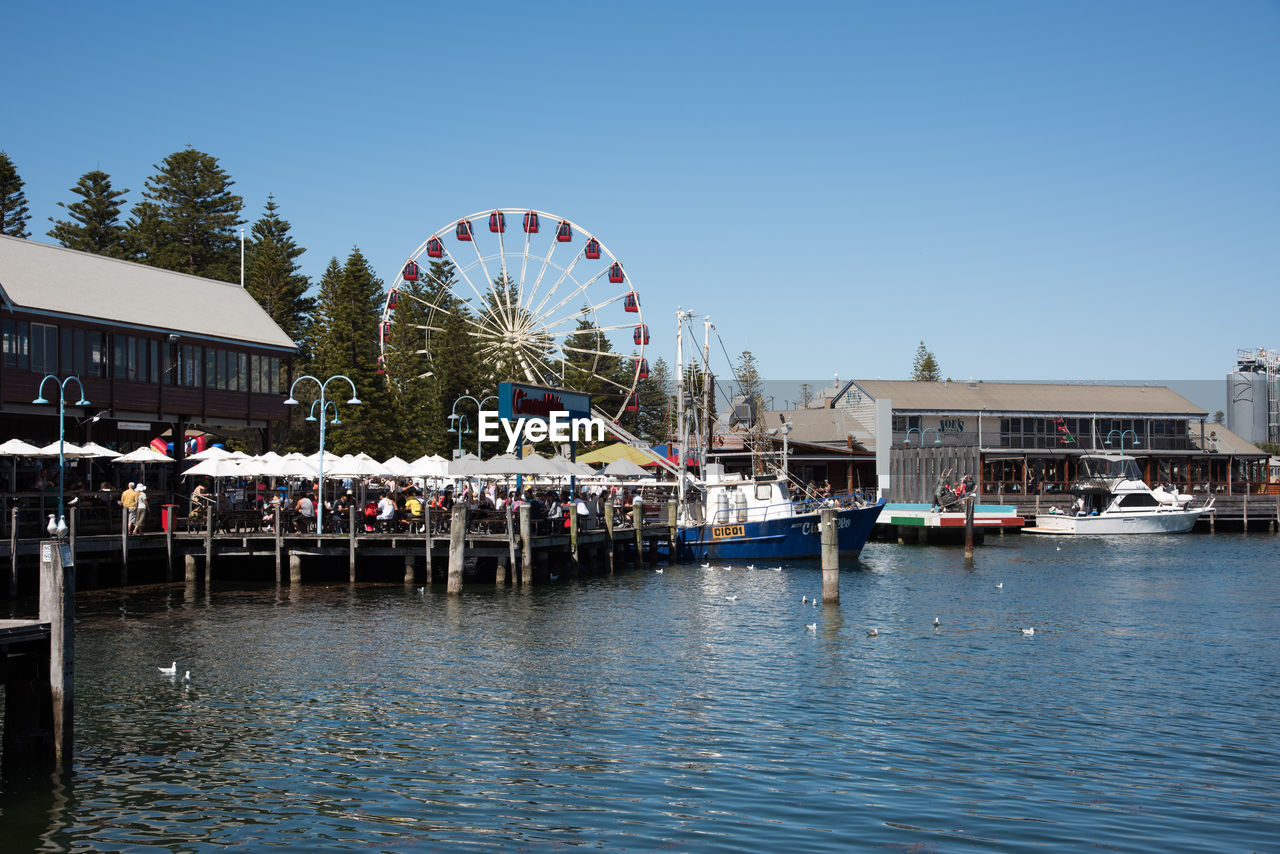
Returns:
<point x="1114" y="499"/>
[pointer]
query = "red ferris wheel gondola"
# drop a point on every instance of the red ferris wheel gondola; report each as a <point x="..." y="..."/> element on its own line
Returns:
<point x="393" y="299"/>
<point x="435" y="248"/>
<point x="464" y="229"/>
<point x="642" y="334"/>
<point x="615" y="273"/>
<point x="631" y="302"/>
<point x="382" y="364"/>
<point x="564" y="232"/>
<point x="497" y="222"/>
<point x="384" y="330"/>
<point x="642" y="369"/>
<point x="592" y="250"/>
<point x="411" y="272"/>
<point x="633" y="403"/>
<point x="531" y="223"/>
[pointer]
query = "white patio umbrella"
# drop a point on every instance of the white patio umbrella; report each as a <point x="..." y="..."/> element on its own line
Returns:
<point x="144" y="454"/>
<point x="19" y="448"/>
<point x="209" y="453"/>
<point x="96" y="450"/>
<point x="431" y="465"/>
<point x="507" y="464"/>
<point x="623" y="467"/>
<point x="396" y="467"/>
<point x="361" y="465"/>
<point x="69" y="451"/>
<point x="466" y="466"/>
<point x="216" y="467"/>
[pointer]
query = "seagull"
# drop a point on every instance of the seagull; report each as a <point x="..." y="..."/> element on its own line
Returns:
<point x="658" y="571"/>
<point x="422" y="590"/>
<point x="804" y="599"/>
<point x="186" y="677"/>
<point x="733" y="598"/>
<point x="171" y="670"/>
<point x="52" y="527"/>
<point x="813" y="627"/>
<point x="936" y="623"/>
<point x="1026" y="633"/>
<point x="554" y="577"/>
<point x="777" y="569"/>
<point x="751" y="566"/>
<point x="999" y="585"/>
<point x="815" y="601"/>
<point x="872" y="633"/>
<point x="61" y="530"/>
<point x="1057" y="548"/>
<point x="706" y="566"/>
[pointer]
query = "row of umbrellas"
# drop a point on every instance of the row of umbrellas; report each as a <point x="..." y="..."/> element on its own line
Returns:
<point x="217" y="462"/>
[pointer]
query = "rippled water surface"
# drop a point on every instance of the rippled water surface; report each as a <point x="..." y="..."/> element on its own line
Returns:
<point x="650" y="712"/>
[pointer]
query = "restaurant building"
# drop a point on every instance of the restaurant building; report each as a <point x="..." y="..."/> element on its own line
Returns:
<point x="157" y="352"/>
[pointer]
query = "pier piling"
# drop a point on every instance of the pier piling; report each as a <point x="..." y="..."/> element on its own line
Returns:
<point x="526" y="545"/>
<point x="608" y="534"/>
<point x="457" y="547"/>
<point x="58" y="609"/>
<point x="830" y="556"/>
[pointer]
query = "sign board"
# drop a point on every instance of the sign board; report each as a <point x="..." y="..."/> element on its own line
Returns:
<point x="144" y="426"/>
<point x="532" y="402"/>
<point x="68" y="559"/>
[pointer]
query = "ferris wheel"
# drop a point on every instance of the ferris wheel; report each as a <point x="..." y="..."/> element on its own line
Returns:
<point x="542" y="300"/>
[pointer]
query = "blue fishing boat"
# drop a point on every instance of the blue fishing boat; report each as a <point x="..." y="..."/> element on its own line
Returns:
<point x="733" y="517"/>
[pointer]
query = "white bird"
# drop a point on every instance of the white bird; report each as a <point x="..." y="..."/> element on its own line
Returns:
<point x="936" y="623"/>
<point x="813" y="627"/>
<point x="422" y="590"/>
<point x="553" y="576"/>
<point x="1026" y="633"/>
<point x="1057" y="548"/>
<point x="872" y="633"/>
<point x="733" y="598"/>
<point x="186" y="677"/>
<point x="999" y="585"/>
<point x="706" y="566"/>
<point x="751" y="566"/>
<point x="804" y="599"/>
<point x="815" y="601"/>
<point x="170" y="670"/>
<point x="658" y="571"/>
<point x="52" y="527"/>
<point x="777" y="569"/>
<point x="61" y="530"/>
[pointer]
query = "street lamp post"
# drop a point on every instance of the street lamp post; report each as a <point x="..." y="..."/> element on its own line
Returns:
<point x="456" y="419"/>
<point x="62" y="429"/>
<point x="326" y="407"/>
<point x="1122" y="434"/>
<point x="937" y="437"/>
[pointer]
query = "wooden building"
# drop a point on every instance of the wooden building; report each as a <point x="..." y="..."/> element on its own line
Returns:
<point x="157" y="352"/>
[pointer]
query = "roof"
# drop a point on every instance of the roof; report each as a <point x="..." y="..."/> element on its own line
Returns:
<point x="997" y="397"/>
<point x="824" y="427"/>
<point x="38" y="277"/>
<point x="1218" y="439"/>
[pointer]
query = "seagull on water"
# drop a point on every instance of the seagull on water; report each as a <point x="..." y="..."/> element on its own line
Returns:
<point x="815" y="601"/>
<point x="936" y="623"/>
<point x="999" y="585"/>
<point x="751" y="566"/>
<point x="186" y="677"/>
<point x="422" y="590"/>
<point x="777" y="569"/>
<point x="1028" y="632"/>
<point x="813" y="627"/>
<point x="706" y="566"/>
<point x="171" y="670"/>
<point x="733" y="598"/>
<point x="872" y="633"/>
<point x="804" y="599"/>
<point x="658" y="571"/>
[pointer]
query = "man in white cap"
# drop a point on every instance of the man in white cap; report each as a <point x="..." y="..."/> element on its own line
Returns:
<point x="140" y="518"/>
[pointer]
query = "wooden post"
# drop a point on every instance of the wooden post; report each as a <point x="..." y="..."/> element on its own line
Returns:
<point x="351" y="543"/>
<point x="408" y="570"/>
<point x="830" y="536"/>
<point x="637" y="520"/>
<point x="671" y="523"/>
<point x="295" y="569"/>
<point x="511" y="544"/>
<point x="168" y="545"/>
<point x="189" y="568"/>
<point x="968" y="528"/>
<point x="608" y="534"/>
<point x="279" y="546"/>
<point x="124" y="546"/>
<point x="71" y="528"/>
<point x="58" y="609"/>
<point x="573" y="532"/>
<point x="1246" y="510"/>
<point x="526" y="544"/>
<point x="457" y="547"/>
<point x="13" y="554"/>
<point x="426" y="541"/>
<point x="208" y="545"/>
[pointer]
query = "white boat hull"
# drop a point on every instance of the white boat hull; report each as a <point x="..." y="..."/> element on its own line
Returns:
<point x="1137" y="522"/>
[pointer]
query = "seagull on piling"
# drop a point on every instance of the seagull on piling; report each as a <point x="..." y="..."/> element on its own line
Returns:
<point x="1028" y="632"/>
<point x="872" y="633"/>
<point x="171" y="670"/>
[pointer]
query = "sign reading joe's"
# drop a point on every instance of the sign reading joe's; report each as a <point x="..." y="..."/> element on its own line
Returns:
<point x="538" y="413"/>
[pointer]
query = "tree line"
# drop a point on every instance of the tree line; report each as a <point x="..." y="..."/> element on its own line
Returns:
<point x="188" y="220"/>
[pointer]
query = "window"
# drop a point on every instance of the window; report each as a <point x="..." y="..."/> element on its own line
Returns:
<point x="44" y="348"/>
<point x="96" y="349"/>
<point x="189" y="369"/>
<point x="16" y="343"/>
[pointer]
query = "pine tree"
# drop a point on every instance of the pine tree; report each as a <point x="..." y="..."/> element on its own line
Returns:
<point x="656" y="421"/>
<point x="455" y="364"/>
<point x="13" y="201"/>
<point x="925" y="368"/>
<point x="271" y="274"/>
<point x="750" y="383"/>
<point x="188" y="218"/>
<point x="94" y="224"/>
<point x="345" y="341"/>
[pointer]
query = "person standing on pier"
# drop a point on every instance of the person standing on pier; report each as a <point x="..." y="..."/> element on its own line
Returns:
<point x="140" y="509"/>
<point x="129" y="501"/>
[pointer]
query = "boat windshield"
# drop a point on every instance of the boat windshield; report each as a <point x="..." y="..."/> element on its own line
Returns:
<point x="1109" y="467"/>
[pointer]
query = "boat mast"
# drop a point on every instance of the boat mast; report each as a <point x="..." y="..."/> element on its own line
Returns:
<point x="707" y="415"/>
<point x="682" y="434"/>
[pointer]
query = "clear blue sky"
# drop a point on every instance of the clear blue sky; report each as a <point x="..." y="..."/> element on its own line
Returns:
<point x="1038" y="190"/>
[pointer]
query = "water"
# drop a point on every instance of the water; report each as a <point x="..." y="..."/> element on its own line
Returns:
<point x="648" y="712"/>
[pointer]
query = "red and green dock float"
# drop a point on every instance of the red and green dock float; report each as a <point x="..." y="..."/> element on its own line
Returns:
<point x="922" y="523"/>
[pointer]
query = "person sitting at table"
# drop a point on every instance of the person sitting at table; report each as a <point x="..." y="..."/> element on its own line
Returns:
<point x="306" y="509"/>
<point x="370" y="514"/>
<point x="413" y="510"/>
<point x="341" y="512"/>
<point x="386" y="513"/>
<point x="199" y="500"/>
